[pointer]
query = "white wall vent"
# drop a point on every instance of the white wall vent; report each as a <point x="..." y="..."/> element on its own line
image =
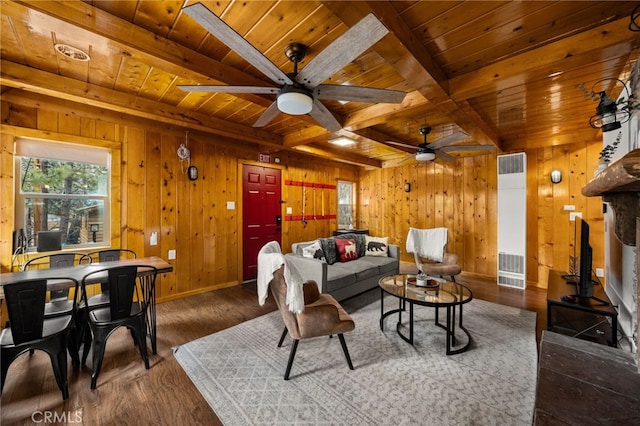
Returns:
<point x="512" y="220"/>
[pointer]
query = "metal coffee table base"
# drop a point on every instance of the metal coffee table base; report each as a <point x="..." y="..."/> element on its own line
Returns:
<point x="450" y="327"/>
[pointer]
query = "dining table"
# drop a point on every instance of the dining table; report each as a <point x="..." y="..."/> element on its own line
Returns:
<point x="79" y="272"/>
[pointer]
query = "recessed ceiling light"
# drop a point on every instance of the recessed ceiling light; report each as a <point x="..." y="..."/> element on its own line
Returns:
<point x="72" y="52"/>
<point x="342" y="141"/>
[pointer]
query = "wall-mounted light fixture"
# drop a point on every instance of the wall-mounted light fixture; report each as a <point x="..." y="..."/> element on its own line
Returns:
<point x="192" y="172"/>
<point x="555" y="176"/>
<point x="407" y="187"/>
<point x="610" y="114"/>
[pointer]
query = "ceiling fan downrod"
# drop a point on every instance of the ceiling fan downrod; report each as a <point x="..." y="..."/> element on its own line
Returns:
<point x="296" y="52"/>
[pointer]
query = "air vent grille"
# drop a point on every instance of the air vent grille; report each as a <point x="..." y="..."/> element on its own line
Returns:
<point x="509" y="164"/>
<point x="511" y="282"/>
<point x="511" y="263"/>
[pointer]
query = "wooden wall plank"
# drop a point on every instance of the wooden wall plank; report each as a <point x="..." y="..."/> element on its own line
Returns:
<point x="135" y="190"/>
<point x="176" y="212"/>
<point x="7" y="221"/>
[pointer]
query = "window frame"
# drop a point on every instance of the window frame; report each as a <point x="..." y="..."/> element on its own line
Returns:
<point x="353" y="205"/>
<point x="69" y="152"/>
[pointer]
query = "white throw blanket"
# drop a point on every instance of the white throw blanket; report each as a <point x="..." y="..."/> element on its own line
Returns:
<point x="427" y="243"/>
<point x="270" y="259"/>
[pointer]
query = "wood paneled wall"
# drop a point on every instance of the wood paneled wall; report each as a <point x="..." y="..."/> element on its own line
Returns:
<point x="150" y="194"/>
<point x="462" y="196"/>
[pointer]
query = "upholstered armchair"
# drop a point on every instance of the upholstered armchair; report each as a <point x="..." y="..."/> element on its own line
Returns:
<point x="322" y="316"/>
<point x="429" y="248"/>
<point x="448" y="266"/>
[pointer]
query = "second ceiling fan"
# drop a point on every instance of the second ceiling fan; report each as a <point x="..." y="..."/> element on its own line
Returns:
<point x="428" y="151"/>
<point x="301" y="92"/>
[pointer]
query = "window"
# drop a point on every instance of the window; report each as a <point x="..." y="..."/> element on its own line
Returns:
<point x="346" y="204"/>
<point x="62" y="187"/>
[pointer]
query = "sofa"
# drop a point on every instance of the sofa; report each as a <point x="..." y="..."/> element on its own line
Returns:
<point x="358" y="263"/>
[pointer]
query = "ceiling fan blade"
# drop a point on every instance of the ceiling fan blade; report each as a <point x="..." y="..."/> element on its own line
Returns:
<point x="358" y="94"/>
<point x="448" y="140"/>
<point x="227" y="35"/>
<point x="269" y="114"/>
<point x="405" y="145"/>
<point x="342" y="51"/>
<point x="444" y="156"/>
<point x="467" y="148"/>
<point x="259" y="90"/>
<point x="407" y="158"/>
<point x="324" y="117"/>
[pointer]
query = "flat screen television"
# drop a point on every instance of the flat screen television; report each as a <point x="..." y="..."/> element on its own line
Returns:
<point x="49" y="241"/>
<point x="585" y="283"/>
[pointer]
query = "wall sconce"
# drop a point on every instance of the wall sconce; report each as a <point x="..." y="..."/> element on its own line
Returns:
<point x="407" y="187"/>
<point x="192" y="172"/>
<point x="556" y="176"/>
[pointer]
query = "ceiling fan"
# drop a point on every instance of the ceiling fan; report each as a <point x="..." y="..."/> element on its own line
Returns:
<point x="428" y="151"/>
<point x="301" y="92"/>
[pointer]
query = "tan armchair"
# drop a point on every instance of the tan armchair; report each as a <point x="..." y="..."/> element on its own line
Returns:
<point x="322" y="316"/>
<point x="448" y="266"/>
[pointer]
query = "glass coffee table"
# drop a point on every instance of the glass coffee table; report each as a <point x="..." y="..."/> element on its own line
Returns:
<point x="440" y="293"/>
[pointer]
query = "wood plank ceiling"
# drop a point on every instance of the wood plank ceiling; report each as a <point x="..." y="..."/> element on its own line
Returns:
<point x="506" y="73"/>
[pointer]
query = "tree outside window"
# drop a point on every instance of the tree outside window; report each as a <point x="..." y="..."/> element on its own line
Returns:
<point x="66" y="195"/>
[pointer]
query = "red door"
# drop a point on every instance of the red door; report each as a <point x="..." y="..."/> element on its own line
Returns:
<point x="261" y="214"/>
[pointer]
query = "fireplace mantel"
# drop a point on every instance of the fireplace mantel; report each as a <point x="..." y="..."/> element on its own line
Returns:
<point x="619" y="185"/>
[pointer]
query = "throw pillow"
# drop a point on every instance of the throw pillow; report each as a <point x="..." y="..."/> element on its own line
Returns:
<point x="376" y="246"/>
<point x="313" y="251"/>
<point x="329" y="249"/>
<point x="346" y="249"/>
<point x="361" y="245"/>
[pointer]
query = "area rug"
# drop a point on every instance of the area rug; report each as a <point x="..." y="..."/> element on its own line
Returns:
<point x="240" y="370"/>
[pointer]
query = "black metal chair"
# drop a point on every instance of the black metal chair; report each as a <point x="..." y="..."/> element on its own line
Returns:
<point x="59" y="302"/>
<point x="101" y="298"/>
<point x="127" y="307"/>
<point x="108" y="255"/>
<point x="30" y="330"/>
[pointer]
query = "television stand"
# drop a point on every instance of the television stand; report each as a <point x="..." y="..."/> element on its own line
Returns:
<point x="570" y="278"/>
<point x="594" y="284"/>
<point x="602" y="301"/>
<point x="585" y="318"/>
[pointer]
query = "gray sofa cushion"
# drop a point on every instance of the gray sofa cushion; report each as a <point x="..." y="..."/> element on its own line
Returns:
<point x="339" y="276"/>
<point x="384" y="264"/>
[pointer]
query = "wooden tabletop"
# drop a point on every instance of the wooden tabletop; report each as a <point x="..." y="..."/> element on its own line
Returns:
<point x="78" y="272"/>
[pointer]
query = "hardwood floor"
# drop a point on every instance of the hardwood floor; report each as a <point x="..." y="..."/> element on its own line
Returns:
<point x="164" y="395"/>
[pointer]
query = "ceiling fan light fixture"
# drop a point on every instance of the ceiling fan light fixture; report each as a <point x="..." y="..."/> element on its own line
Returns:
<point x="294" y="101"/>
<point x="425" y="156"/>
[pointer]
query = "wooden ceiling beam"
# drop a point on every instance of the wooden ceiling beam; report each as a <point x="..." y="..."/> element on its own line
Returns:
<point x="379" y="113"/>
<point x="30" y="79"/>
<point x="341" y="156"/>
<point x="372" y="135"/>
<point x="136" y="42"/>
<point x="409" y="58"/>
